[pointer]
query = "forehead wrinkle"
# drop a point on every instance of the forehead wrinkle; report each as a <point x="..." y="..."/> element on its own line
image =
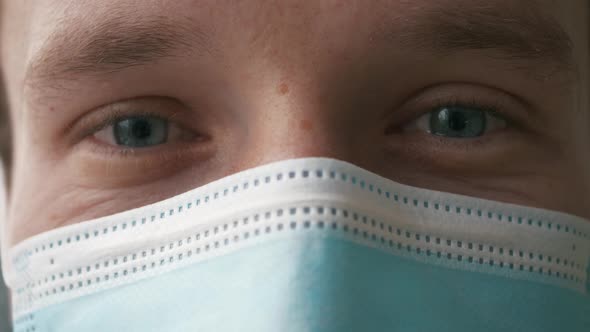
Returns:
<point x="112" y="45"/>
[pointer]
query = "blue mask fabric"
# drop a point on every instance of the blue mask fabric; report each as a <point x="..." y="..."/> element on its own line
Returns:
<point x="311" y="244"/>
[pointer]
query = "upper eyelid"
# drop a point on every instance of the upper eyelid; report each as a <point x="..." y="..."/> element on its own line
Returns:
<point x="170" y="109"/>
<point x="111" y="119"/>
<point x="502" y="103"/>
<point x="108" y="114"/>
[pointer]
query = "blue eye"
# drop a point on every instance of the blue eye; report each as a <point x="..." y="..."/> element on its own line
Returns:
<point x="458" y="122"/>
<point x="140" y="131"/>
<point x="144" y="131"/>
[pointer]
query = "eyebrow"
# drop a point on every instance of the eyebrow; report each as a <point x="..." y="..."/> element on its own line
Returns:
<point x="112" y="46"/>
<point x="510" y="32"/>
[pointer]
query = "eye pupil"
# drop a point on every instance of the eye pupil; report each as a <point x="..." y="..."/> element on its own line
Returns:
<point x="458" y="122"/>
<point x="140" y="131"/>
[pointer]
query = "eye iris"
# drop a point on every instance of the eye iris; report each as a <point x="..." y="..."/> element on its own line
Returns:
<point x="458" y="122"/>
<point x="141" y="132"/>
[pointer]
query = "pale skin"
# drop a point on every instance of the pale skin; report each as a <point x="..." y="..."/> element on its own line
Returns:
<point x="244" y="83"/>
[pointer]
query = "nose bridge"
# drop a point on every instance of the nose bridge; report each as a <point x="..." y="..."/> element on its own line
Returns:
<point x="291" y="126"/>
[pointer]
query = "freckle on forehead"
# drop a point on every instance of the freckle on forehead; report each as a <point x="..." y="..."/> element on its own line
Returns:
<point x="283" y="89"/>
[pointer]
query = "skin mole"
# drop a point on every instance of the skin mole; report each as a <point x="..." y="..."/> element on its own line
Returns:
<point x="283" y="89"/>
<point x="305" y="125"/>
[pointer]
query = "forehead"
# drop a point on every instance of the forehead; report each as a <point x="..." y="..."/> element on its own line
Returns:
<point x="288" y="29"/>
<point x="39" y="18"/>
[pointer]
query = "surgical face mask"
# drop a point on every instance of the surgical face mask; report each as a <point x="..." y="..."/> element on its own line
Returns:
<point x="308" y="245"/>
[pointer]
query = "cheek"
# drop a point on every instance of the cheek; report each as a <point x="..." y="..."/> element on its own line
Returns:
<point x="42" y="206"/>
<point x="42" y="194"/>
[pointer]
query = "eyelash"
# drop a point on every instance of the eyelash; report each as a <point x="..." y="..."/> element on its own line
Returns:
<point x="87" y="127"/>
<point x="113" y="116"/>
<point x="493" y="107"/>
<point x="110" y="115"/>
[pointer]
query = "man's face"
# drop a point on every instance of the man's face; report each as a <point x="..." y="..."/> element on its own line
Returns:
<point x="117" y="104"/>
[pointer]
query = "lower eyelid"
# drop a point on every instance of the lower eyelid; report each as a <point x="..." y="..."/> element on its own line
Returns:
<point x="196" y="148"/>
<point x="118" y="167"/>
<point x="439" y="149"/>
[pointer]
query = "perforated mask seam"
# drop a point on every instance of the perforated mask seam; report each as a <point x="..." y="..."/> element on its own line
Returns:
<point x="319" y="174"/>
